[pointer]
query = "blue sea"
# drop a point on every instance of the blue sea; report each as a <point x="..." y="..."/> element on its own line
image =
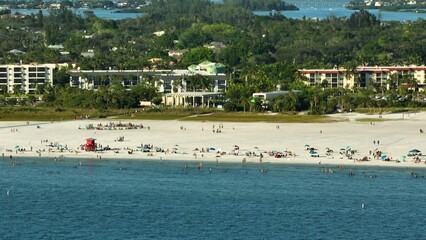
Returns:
<point x="130" y="199"/>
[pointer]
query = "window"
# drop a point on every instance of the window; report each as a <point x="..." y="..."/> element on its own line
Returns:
<point x="312" y="79"/>
<point x="334" y="77"/>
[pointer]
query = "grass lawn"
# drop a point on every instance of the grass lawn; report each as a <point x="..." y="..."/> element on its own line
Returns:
<point x="49" y="114"/>
<point x="231" y="117"/>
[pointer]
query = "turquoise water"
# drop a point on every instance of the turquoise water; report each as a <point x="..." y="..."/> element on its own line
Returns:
<point x="319" y="12"/>
<point x="128" y="199"/>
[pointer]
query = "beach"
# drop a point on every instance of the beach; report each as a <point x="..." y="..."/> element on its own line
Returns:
<point x="347" y="142"/>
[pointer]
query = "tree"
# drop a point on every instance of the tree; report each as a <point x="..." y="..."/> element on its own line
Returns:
<point x="286" y="103"/>
<point x="61" y="77"/>
<point x="198" y="82"/>
<point x="197" y="55"/>
<point x="177" y="85"/>
<point x="145" y="92"/>
<point x="362" y="18"/>
<point x="17" y="90"/>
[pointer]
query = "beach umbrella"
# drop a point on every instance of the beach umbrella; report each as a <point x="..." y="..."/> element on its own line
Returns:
<point x="414" y="151"/>
<point x="212" y="149"/>
<point x="17" y="146"/>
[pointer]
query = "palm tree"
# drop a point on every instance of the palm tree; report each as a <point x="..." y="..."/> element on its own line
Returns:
<point x="104" y="79"/>
<point x="177" y="84"/>
<point x="392" y="81"/>
<point x="199" y="82"/>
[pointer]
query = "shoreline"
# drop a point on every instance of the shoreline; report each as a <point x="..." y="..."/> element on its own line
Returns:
<point x="233" y="142"/>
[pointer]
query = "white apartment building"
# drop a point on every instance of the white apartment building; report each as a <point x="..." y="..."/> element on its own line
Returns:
<point x="363" y="76"/>
<point x="25" y="77"/>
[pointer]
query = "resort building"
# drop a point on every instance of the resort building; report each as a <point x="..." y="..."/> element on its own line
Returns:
<point x="177" y="86"/>
<point x="365" y="76"/>
<point x="25" y="78"/>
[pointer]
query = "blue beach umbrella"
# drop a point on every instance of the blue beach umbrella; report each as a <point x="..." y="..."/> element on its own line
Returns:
<point x="414" y="151"/>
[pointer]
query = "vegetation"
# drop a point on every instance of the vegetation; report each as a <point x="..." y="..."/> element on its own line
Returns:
<point x="59" y="114"/>
<point x="261" y="5"/>
<point x="261" y="53"/>
<point x="50" y="114"/>
<point x="253" y="117"/>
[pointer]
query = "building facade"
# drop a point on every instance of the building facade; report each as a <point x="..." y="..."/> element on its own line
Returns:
<point x="25" y="78"/>
<point x="175" y="85"/>
<point x="93" y="79"/>
<point x="365" y="76"/>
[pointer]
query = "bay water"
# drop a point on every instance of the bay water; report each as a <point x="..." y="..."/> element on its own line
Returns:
<point x="141" y="199"/>
<point x="307" y="11"/>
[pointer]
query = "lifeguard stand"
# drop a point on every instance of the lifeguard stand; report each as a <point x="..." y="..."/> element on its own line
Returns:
<point x="90" y="144"/>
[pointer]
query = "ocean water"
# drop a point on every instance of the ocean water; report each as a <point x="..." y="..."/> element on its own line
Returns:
<point x="130" y="199"/>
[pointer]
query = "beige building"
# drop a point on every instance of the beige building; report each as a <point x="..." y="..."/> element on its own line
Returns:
<point x="364" y="76"/>
<point x="25" y="77"/>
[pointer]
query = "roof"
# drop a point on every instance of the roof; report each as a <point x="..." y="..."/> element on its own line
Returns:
<point x="194" y="94"/>
<point x="16" y="51"/>
<point x="305" y="71"/>
<point x="87" y="54"/>
<point x="58" y="46"/>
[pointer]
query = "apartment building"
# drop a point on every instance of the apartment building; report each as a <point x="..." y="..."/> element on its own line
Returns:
<point x="364" y="76"/>
<point x="25" y="77"/>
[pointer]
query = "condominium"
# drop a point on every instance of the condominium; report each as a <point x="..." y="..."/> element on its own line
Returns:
<point x="25" y="78"/>
<point x="364" y="76"/>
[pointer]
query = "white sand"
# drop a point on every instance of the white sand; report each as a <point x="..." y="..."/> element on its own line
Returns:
<point x="396" y="137"/>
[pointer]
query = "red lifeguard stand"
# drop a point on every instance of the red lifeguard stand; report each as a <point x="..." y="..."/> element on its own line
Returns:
<point x="90" y="144"/>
